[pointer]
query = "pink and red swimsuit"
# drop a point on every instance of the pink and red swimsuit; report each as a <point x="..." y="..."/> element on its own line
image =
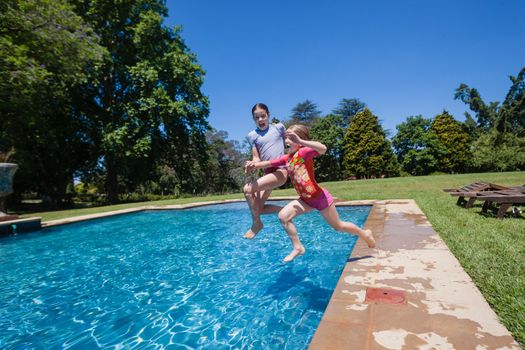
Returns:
<point x="301" y="169"/>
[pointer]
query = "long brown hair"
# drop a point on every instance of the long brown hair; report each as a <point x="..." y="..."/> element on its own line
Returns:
<point x="301" y="131"/>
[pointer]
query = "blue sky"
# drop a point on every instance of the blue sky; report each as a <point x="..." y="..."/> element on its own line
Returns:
<point x="401" y="58"/>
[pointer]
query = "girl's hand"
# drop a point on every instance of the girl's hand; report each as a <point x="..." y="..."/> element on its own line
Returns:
<point x="249" y="167"/>
<point x="292" y="136"/>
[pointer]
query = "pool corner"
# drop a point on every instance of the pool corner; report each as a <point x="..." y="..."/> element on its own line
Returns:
<point x="20" y="225"/>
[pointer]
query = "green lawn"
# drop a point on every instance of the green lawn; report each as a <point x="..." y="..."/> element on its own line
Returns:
<point x="492" y="251"/>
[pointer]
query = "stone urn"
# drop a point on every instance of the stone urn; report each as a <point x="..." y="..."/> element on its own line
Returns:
<point x="7" y="172"/>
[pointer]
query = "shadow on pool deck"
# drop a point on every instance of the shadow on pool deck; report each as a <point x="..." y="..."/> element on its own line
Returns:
<point x="438" y="305"/>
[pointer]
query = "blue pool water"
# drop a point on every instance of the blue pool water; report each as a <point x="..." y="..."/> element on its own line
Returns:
<point x="170" y="279"/>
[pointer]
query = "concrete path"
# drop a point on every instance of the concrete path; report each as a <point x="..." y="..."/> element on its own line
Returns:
<point x="408" y="293"/>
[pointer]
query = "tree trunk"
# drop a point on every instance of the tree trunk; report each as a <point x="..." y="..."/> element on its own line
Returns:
<point x="111" y="180"/>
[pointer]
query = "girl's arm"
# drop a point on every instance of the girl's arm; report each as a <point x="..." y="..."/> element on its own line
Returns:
<point x="248" y="168"/>
<point x="262" y="165"/>
<point x="255" y="155"/>
<point x="315" y="145"/>
<point x="252" y="165"/>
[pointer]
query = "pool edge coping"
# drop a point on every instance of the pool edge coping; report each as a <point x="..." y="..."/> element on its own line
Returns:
<point x="441" y="307"/>
<point x="88" y="217"/>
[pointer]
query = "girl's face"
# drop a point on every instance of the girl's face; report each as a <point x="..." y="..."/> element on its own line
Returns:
<point x="292" y="146"/>
<point x="261" y="118"/>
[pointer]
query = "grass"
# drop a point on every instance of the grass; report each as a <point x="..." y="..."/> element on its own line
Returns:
<point x="491" y="251"/>
<point x="61" y="214"/>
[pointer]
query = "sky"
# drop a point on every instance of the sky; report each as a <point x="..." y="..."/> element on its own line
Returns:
<point x="401" y="58"/>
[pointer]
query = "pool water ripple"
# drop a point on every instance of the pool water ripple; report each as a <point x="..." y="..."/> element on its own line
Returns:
<point x="170" y="279"/>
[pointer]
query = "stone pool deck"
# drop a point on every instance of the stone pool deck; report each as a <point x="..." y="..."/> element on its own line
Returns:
<point x="409" y="292"/>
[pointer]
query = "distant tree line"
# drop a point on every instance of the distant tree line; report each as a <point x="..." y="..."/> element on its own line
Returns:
<point x="358" y="147"/>
<point x="491" y="140"/>
<point x="103" y="94"/>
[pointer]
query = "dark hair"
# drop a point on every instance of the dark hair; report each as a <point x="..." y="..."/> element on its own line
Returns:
<point x="261" y="106"/>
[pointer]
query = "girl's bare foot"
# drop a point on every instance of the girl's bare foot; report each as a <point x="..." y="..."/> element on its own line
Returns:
<point x="256" y="228"/>
<point x="294" y="254"/>
<point x="369" y="239"/>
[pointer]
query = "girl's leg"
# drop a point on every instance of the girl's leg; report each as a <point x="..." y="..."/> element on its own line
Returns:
<point x="332" y="217"/>
<point x="282" y="175"/>
<point x="290" y="211"/>
<point x="256" y="193"/>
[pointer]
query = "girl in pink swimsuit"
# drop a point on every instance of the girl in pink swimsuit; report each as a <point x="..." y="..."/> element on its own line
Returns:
<point x="301" y="170"/>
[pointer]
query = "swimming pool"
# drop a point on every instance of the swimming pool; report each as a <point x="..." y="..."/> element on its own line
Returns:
<point x="182" y="279"/>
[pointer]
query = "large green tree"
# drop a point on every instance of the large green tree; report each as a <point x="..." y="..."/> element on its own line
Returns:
<point x="508" y="156"/>
<point x="46" y="53"/>
<point x="455" y="142"/>
<point x="367" y="151"/>
<point x="330" y="131"/>
<point x="500" y="127"/>
<point x="508" y="116"/>
<point x="304" y="113"/>
<point x="485" y="113"/>
<point x="147" y="104"/>
<point x="411" y="135"/>
<point x="514" y="105"/>
<point x="348" y="107"/>
<point x="418" y="149"/>
<point x="225" y="171"/>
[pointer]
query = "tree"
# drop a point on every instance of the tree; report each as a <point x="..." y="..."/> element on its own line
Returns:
<point x="506" y="117"/>
<point x="418" y="149"/>
<point x="411" y="135"/>
<point x="348" y="107"/>
<point x="147" y="105"/>
<point x="304" y="113"/>
<point x="513" y="108"/>
<point x="509" y="156"/>
<point x="470" y="127"/>
<point x="225" y="172"/>
<point x="330" y="131"/>
<point x="485" y="114"/>
<point x="500" y="127"/>
<point x="367" y="152"/>
<point x="455" y="141"/>
<point x="46" y="53"/>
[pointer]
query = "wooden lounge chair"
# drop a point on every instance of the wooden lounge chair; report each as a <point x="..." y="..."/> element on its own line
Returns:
<point x="470" y="189"/>
<point x="505" y="199"/>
